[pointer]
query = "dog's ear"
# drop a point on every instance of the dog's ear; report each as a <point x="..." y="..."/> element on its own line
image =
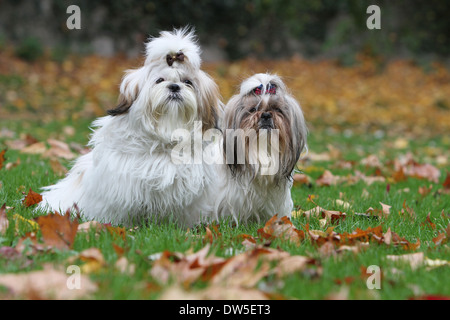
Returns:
<point x="298" y="138"/>
<point x="211" y="105"/>
<point x="122" y="107"/>
<point x="129" y="90"/>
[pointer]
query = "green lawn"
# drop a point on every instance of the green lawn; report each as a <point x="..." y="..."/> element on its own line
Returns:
<point x="330" y="275"/>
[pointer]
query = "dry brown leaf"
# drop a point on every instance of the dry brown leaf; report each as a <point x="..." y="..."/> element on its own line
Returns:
<point x="4" y="223"/>
<point x="244" y="270"/>
<point x="428" y="222"/>
<point x="58" y="149"/>
<point x="292" y="264"/>
<point x="407" y="211"/>
<point x="58" y="231"/>
<point x="185" y="268"/>
<point x="327" y="179"/>
<point x="332" y="216"/>
<point x="281" y="228"/>
<point x="440" y="239"/>
<point x="446" y="183"/>
<point x="11" y="165"/>
<point x="414" y="260"/>
<point x="31" y="198"/>
<point x="57" y="167"/>
<point x="90" y="225"/>
<point x="46" y="284"/>
<point x="371" y="161"/>
<point x="409" y="167"/>
<point x="301" y="178"/>
<point x="2" y="158"/>
<point x="213" y="293"/>
<point x="35" y="148"/>
<point x="124" y="266"/>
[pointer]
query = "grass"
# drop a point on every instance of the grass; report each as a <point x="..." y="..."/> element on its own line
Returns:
<point x="333" y="274"/>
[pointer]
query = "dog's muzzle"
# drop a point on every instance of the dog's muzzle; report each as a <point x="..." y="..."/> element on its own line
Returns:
<point x="266" y="121"/>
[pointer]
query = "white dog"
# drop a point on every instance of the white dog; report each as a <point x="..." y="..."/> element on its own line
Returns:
<point x="129" y="177"/>
<point x="264" y="134"/>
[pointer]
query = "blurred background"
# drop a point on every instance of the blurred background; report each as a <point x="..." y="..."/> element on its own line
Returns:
<point x="231" y="29"/>
<point x="346" y="76"/>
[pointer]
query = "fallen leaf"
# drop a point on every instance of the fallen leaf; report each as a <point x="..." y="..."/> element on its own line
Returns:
<point x="31" y="198"/>
<point x="93" y="260"/>
<point x="428" y="222"/>
<point x="116" y="232"/>
<point x="58" y="149"/>
<point x="423" y="190"/>
<point x="440" y="239"/>
<point x="213" y="293"/>
<point x="46" y="284"/>
<point x="446" y="183"/>
<point x="407" y="211"/>
<point x="291" y="265"/>
<point x="281" y="228"/>
<point x="90" y="225"/>
<point x="11" y="165"/>
<point x="371" y="161"/>
<point x="409" y="167"/>
<point x="414" y="260"/>
<point x="2" y="158"/>
<point x="57" y="167"/>
<point x="327" y="179"/>
<point x="58" y="231"/>
<point x="185" y="268"/>
<point x="35" y="148"/>
<point x="301" y="179"/>
<point x="124" y="266"/>
<point x="30" y="245"/>
<point x="4" y="223"/>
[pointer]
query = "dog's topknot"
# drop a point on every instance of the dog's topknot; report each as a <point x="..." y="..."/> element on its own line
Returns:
<point x="173" y="44"/>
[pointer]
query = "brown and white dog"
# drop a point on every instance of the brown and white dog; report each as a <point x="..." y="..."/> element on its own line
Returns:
<point x="264" y="133"/>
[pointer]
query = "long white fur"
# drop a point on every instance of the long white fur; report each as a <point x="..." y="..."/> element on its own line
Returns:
<point x="129" y="177"/>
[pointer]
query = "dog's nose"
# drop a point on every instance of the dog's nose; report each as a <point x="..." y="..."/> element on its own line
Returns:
<point x="266" y="115"/>
<point x="173" y="87"/>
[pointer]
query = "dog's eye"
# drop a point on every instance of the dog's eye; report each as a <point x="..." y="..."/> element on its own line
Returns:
<point x="159" y="80"/>
<point x="276" y="109"/>
<point x="188" y="82"/>
<point x="252" y="110"/>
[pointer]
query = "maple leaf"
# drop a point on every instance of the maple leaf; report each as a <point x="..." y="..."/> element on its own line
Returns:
<point x="58" y="231"/>
<point x="31" y="198"/>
